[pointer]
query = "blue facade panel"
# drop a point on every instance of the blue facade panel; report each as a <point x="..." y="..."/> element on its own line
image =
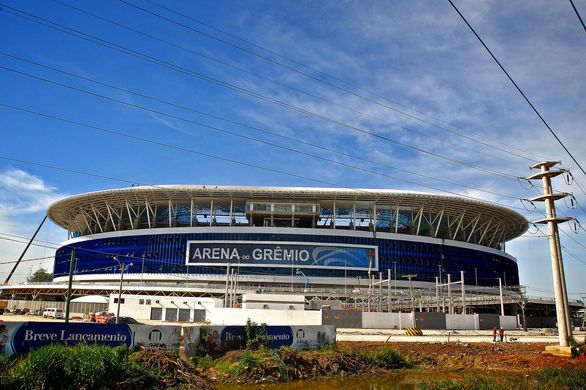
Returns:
<point x="166" y="253"/>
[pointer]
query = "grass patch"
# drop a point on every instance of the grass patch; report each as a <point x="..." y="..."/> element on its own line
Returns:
<point x="61" y="367"/>
<point x="386" y="358"/>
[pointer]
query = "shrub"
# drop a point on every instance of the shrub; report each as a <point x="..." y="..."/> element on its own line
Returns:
<point x="256" y="336"/>
<point x="248" y="360"/>
<point x="386" y="358"/>
<point x="82" y="366"/>
<point x="205" y="362"/>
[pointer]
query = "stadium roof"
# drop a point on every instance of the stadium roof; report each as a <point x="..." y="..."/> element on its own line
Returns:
<point x="66" y="211"/>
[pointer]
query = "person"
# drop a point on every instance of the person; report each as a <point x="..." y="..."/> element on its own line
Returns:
<point x="501" y="334"/>
<point x="494" y="331"/>
<point x="3" y="338"/>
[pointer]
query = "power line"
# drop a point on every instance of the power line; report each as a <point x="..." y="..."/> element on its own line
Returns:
<point x="345" y="107"/>
<point x="184" y="149"/>
<point x="320" y="80"/>
<point x="238" y="135"/>
<point x="239" y="89"/>
<point x="518" y="89"/>
<point x="578" y="15"/>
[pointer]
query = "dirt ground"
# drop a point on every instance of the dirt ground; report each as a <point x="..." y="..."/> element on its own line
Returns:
<point x="520" y="357"/>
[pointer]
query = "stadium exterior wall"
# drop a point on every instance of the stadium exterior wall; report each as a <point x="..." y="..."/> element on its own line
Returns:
<point x="160" y="254"/>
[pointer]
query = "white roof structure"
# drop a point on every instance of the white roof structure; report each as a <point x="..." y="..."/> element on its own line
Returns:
<point x="471" y="220"/>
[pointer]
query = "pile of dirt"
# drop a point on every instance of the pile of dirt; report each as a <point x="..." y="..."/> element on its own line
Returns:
<point x="479" y="356"/>
<point x="169" y="369"/>
<point x="287" y="365"/>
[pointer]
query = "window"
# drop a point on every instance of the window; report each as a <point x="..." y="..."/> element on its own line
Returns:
<point x="141" y="301"/>
<point x="148" y="301"/>
<point x="121" y="300"/>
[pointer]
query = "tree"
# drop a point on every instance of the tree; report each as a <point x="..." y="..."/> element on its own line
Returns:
<point x="40" y="275"/>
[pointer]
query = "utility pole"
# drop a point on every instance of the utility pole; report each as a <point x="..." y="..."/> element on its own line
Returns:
<point x="557" y="265"/>
<point x="463" y="293"/>
<point x="437" y="305"/>
<point x="69" y="283"/>
<point x="410" y="277"/>
<point x="501" y="296"/>
<point x="226" y="303"/>
<point x="450" y="307"/>
<point x="389" y="290"/>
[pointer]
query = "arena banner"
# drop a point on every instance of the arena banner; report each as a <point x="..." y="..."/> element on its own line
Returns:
<point x="282" y="254"/>
<point x="20" y="337"/>
<point x="216" y="339"/>
<point x="168" y="336"/>
<point x="24" y="336"/>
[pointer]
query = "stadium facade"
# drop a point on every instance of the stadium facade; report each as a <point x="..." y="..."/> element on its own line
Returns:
<point x="283" y="236"/>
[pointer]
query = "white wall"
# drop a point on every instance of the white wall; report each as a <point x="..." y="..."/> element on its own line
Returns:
<point x="509" y="322"/>
<point x="229" y="316"/>
<point x="386" y="320"/>
<point x="273" y="301"/>
<point x="132" y="306"/>
<point x="461" y="321"/>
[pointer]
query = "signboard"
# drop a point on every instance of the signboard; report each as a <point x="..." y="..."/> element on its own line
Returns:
<point x="30" y="335"/>
<point x="21" y="337"/>
<point x="282" y="254"/>
<point x="225" y="338"/>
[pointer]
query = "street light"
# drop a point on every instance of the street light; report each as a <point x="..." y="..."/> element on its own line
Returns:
<point x="122" y="268"/>
<point x="305" y="278"/>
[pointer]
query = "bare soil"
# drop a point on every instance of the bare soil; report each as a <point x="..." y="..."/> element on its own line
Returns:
<point x="518" y="357"/>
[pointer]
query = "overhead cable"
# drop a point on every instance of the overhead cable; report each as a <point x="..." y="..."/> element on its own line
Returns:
<point x="239" y="89"/>
<point x="343" y="106"/>
<point x="305" y="74"/>
<point x="519" y="90"/>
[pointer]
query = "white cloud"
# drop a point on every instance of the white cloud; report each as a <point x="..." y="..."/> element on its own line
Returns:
<point x="24" y="199"/>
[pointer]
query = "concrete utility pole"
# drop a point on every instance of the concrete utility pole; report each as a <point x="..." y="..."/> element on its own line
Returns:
<point x="437" y="305"/>
<point x="226" y="301"/>
<point x="557" y="265"/>
<point x="410" y="277"/>
<point x="450" y="307"/>
<point x="463" y="293"/>
<point x="72" y="261"/>
<point x="501" y="296"/>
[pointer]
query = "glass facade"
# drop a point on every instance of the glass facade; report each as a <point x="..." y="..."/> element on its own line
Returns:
<point x="166" y="253"/>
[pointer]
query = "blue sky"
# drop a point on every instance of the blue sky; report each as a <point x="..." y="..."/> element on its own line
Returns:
<point x="396" y="58"/>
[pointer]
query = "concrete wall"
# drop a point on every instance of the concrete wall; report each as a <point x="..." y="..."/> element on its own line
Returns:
<point x="431" y="320"/>
<point x="509" y="322"/>
<point x="342" y="318"/>
<point x="541" y="322"/>
<point x="386" y="320"/>
<point x="459" y="321"/>
<point x="273" y="301"/>
<point x="140" y="307"/>
<point x="229" y="316"/>
<point x="488" y="321"/>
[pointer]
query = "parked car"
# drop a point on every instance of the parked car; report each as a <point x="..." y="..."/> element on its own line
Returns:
<point x="53" y="312"/>
<point x="103" y="317"/>
<point x="38" y="312"/>
<point x="123" y="320"/>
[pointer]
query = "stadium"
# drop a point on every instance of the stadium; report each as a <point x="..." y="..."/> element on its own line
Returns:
<point x="284" y="237"/>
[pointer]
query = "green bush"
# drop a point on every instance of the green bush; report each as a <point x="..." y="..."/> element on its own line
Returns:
<point x="248" y="360"/>
<point x="256" y="336"/>
<point x="82" y="366"/>
<point x="386" y="358"/>
<point x="205" y="362"/>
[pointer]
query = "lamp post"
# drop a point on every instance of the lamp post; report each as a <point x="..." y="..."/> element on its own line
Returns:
<point x="305" y="278"/>
<point x="122" y="268"/>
